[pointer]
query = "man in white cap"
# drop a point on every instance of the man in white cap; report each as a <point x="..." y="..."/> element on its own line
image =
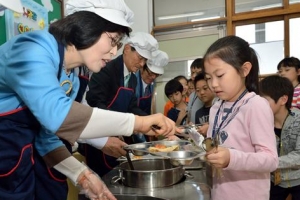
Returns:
<point x="113" y="88"/>
<point x="14" y="5"/>
<point x="145" y="84"/>
<point x="146" y="77"/>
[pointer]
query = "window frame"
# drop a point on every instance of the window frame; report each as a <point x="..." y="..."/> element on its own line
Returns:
<point x="232" y="19"/>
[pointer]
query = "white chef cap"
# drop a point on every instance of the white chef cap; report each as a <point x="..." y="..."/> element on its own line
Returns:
<point x="14" y="5"/>
<point x="158" y="61"/>
<point x="115" y="11"/>
<point x="144" y="43"/>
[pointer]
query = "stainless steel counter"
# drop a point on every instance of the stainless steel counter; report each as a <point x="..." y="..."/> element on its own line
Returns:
<point x="193" y="188"/>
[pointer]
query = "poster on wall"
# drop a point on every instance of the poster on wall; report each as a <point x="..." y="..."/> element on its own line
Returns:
<point x="34" y="17"/>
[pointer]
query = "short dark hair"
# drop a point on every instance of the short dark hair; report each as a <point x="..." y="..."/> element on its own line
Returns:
<point x="83" y="29"/>
<point x="180" y="77"/>
<point x="275" y="86"/>
<point x="190" y="81"/>
<point x="290" y="62"/>
<point x="197" y="63"/>
<point x="172" y="87"/>
<point x="199" y="77"/>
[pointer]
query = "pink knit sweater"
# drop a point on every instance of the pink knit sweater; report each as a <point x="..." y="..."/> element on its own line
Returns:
<point x="250" y="136"/>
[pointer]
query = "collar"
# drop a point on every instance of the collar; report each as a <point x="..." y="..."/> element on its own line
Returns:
<point x="125" y="70"/>
<point x="144" y="84"/>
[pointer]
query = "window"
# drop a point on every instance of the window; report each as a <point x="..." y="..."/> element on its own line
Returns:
<point x="294" y="37"/>
<point x="262" y="38"/>
<point x="178" y="11"/>
<point x="271" y="26"/>
<point x="252" y="5"/>
<point x="294" y="1"/>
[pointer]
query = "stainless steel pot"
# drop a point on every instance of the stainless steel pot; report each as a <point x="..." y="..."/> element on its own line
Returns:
<point x="149" y="173"/>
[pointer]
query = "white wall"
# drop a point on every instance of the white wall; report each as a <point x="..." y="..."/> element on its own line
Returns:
<point x="142" y="10"/>
<point x="142" y="15"/>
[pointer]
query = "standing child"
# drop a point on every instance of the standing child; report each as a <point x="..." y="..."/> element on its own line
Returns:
<point x="174" y="92"/>
<point x="184" y="82"/>
<point x="290" y="68"/>
<point x="191" y="87"/>
<point x="206" y="96"/>
<point x="242" y="120"/>
<point x="194" y="102"/>
<point x="286" y="179"/>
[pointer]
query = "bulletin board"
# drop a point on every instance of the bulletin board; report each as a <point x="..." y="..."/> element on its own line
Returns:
<point x="38" y="10"/>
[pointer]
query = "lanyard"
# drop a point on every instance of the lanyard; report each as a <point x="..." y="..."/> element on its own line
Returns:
<point x="215" y="129"/>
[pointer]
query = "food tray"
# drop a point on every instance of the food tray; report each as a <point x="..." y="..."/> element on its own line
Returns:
<point x="141" y="149"/>
<point x="133" y="157"/>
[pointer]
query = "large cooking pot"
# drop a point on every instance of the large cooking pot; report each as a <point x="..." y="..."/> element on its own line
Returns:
<point x="149" y="173"/>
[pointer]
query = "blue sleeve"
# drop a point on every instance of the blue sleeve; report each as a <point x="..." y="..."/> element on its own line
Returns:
<point x="32" y="74"/>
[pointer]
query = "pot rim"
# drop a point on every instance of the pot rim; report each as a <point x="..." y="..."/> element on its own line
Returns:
<point x="147" y="171"/>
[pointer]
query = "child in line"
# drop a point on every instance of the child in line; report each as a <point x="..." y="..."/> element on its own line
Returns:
<point x="184" y="82"/>
<point x="194" y="102"/>
<point x="290" y="68"/>
<point x="174" y="92"/>
<point x="286" y="179"/>
<point x="205" y="94"/>
<point x="243" y="122"/>
<point x="191" y="87"/>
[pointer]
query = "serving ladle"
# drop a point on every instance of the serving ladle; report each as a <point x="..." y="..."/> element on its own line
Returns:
<point x="127" y="155"/>
<point x="129" y="160"/>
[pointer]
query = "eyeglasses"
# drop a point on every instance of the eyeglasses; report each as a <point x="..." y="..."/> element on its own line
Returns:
<point x="141" y="58"/>
<point x="151" y="73"/>
<point x="115" y="41"/>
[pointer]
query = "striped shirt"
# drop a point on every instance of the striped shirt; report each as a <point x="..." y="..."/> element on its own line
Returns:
<point x="296" y="97"/>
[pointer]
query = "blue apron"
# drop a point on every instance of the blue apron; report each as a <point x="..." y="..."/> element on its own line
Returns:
<point x="23" y="172"/>
<point x="144" y="102"/>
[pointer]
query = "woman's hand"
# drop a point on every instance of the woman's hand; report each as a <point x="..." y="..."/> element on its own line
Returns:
<point x="93" y="187"/>
<point x="156" y="124"/>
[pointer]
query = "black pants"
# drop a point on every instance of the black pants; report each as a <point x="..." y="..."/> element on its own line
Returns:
<point x="280" y="193"/>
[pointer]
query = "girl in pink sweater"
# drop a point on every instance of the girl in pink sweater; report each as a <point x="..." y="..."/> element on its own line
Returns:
<point x="242" y="121"/>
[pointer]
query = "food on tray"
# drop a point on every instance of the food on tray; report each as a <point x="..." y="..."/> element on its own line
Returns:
<point x="163" y="148"/>
<point x="137" y="157"/>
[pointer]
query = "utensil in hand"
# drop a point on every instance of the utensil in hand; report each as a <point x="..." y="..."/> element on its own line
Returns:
<point x="208" y="144"/>
<point x="129" y="160"/>
<point x="196" y="137"/>
<point x="127" y="154"/>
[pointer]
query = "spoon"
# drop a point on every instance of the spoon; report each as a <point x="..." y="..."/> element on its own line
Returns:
<point x="129" y="160"/>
